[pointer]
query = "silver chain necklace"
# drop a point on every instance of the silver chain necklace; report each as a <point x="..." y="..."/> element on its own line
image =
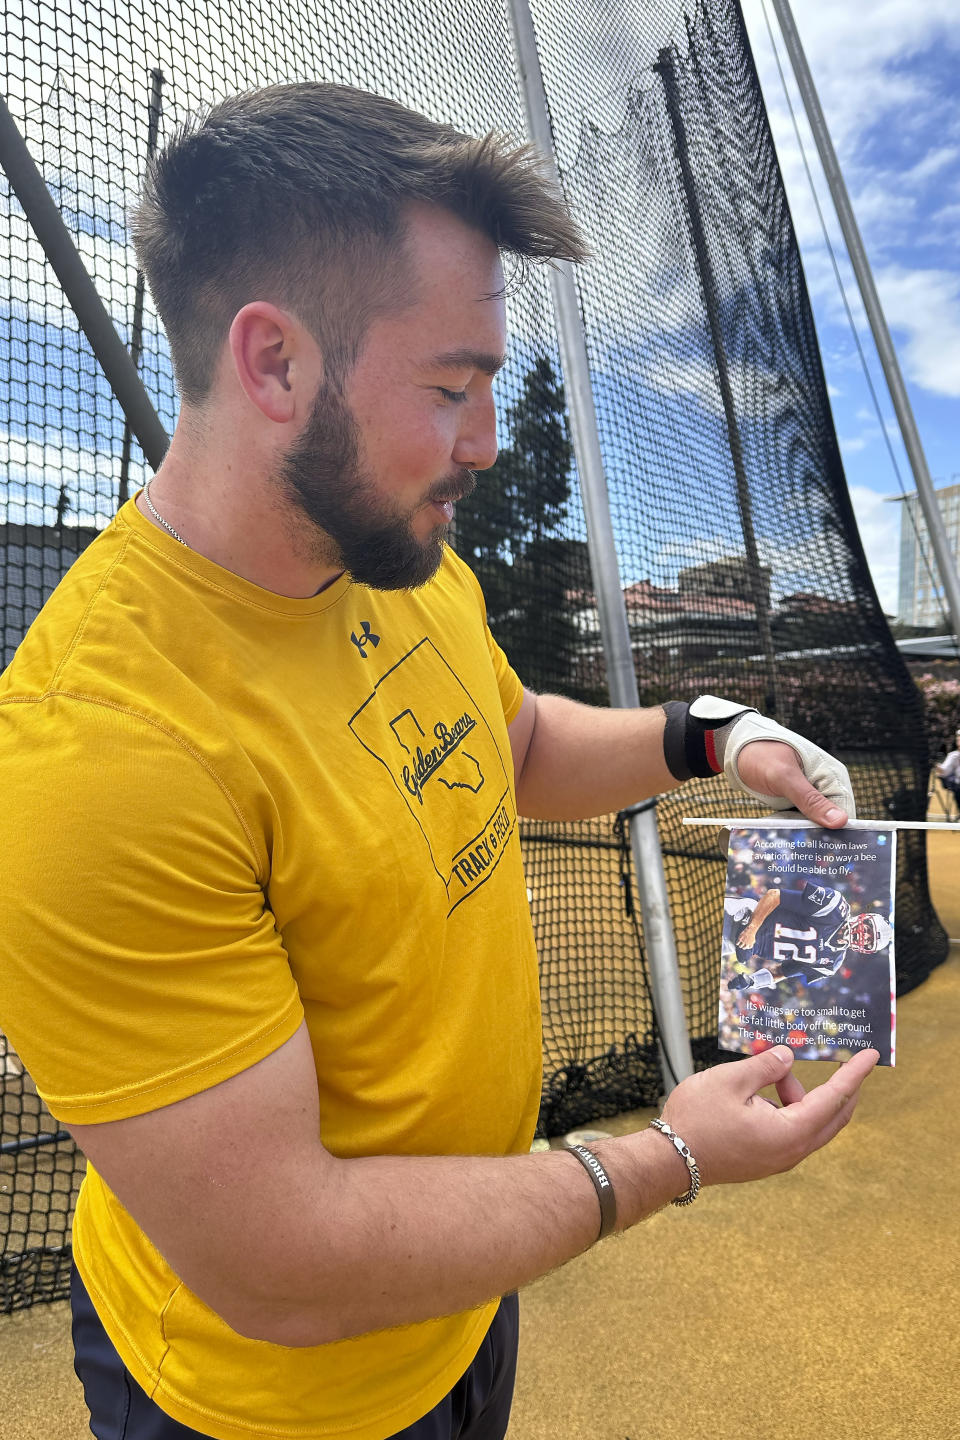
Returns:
<point x="158" y="517"/>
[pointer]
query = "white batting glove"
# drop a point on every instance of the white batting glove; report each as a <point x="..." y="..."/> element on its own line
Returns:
<point x="824" y="773"/>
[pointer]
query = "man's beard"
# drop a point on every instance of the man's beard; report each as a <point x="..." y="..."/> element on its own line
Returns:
<point x="372" y="540"/>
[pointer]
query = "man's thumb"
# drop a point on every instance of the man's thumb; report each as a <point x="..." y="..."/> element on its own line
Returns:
<point x="768" y="1067"/>
<point x="822" y="808"/>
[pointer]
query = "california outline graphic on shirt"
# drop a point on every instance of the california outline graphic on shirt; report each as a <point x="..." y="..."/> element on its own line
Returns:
<point x="422" y="724"/>
<point x="427" y="764"/>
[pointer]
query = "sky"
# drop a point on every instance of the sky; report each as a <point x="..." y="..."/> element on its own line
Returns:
<point x="888" y="76"/>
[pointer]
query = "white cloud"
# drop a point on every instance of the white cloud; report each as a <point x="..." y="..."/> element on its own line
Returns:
<point x="933" y="163"/>
<point x="851" y="444"/>
<point x="879" y="524"/>
<point x="861" y="64"/>
<point x="616" y="38"/>
<point x="943" y="224"/>
<point x="921" y="307"/>
<point x="885" y="211"/>
<point x="35" y="470"/>
<point x="924" y="306"/>
<point x="856" y="55"/>
<point x="669" y="374"/>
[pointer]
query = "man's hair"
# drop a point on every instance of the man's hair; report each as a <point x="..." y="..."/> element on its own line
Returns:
<point x="296" y="193"/>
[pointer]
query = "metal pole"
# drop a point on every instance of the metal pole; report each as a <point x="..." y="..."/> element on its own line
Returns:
<point x="698" y="235"/>
<point x="33" y="1142"/>
<point x="605" y="569"/>
<point x="946" y="562"/>
<point x="154" y="110"/>
<point x="38" y="205"/>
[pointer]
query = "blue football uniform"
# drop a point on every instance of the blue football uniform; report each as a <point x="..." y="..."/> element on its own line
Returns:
<point x="805" y="935"/>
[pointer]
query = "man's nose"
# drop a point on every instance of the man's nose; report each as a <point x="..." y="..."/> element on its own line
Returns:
<point x="476" y="447"/>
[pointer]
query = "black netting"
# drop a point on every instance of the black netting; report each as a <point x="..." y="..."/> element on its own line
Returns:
<point x="740" y="561"/>
<point x="40" y="1172"/>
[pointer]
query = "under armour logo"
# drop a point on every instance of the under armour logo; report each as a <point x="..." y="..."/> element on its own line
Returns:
<point x="366" y="638"/>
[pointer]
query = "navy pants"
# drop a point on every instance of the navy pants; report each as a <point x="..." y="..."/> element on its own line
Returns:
<point x="477" y="1408"/>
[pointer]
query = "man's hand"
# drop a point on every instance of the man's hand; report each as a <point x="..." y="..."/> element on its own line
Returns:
<point x="783" y="769"/>
<point x="746" y="938"/>
<point x="734" y="1134"/>
<point x="772" y="771"/>
<point x="572" y="761"/>
<point x="361" y="1244"/>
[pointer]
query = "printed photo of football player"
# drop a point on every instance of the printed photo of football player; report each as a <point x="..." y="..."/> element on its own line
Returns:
<point x="806" y="934"/>
<point x="807" y="949"/>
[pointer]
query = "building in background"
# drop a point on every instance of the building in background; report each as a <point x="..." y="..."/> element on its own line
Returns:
<point x="921" y="600"/>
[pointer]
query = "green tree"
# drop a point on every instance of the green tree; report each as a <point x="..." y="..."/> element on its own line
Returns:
<point x="510" y="533"/>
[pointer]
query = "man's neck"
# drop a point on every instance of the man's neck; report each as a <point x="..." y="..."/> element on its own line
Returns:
<point x="238" y="519"/>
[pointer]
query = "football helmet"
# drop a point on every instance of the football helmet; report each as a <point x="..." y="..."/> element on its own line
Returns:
<point x="866" y="933"/>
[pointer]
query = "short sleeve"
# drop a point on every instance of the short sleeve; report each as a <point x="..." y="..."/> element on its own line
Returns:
<point x="508" y="682"/>
<point x="139" y="961"/>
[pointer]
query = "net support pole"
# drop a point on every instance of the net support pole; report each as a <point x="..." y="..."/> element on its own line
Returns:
<point x="946" y="561"/>
<point x="675" y="1054"/>
<point x="666" y="71"/>
<point x="42" y="214"/>
<point x="154" y="111"/>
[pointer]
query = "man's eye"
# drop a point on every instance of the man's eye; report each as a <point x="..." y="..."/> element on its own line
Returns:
<point x="457" y="396"/>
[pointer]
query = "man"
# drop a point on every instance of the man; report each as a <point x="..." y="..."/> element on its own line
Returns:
<point x="267" y="951"/>
<point x="800" y="934"/>
<point x="949" y="771"/>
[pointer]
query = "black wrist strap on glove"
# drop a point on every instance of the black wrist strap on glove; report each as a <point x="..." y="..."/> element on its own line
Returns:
<point x="689" y="746"/>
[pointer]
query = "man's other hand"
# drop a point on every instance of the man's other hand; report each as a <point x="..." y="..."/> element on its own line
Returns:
<point x="735" y="1134"/>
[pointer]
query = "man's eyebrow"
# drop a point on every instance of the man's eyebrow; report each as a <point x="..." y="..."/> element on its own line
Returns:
<point x="467" y="359"/>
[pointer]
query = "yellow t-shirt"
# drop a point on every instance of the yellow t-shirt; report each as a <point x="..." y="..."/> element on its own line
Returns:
<point x="226" y="810"/>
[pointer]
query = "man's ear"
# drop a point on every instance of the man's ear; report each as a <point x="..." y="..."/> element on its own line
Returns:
<point x="276" y="361"/>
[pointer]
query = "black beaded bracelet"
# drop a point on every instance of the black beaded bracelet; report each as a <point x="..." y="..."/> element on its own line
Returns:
<point x="604" y="1187"/>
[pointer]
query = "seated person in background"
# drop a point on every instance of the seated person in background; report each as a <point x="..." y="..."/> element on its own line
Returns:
<point x="949" y="771"/>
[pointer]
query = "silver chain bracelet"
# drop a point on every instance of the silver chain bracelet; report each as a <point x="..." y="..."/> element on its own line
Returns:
<point x="684" y="1153"/>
